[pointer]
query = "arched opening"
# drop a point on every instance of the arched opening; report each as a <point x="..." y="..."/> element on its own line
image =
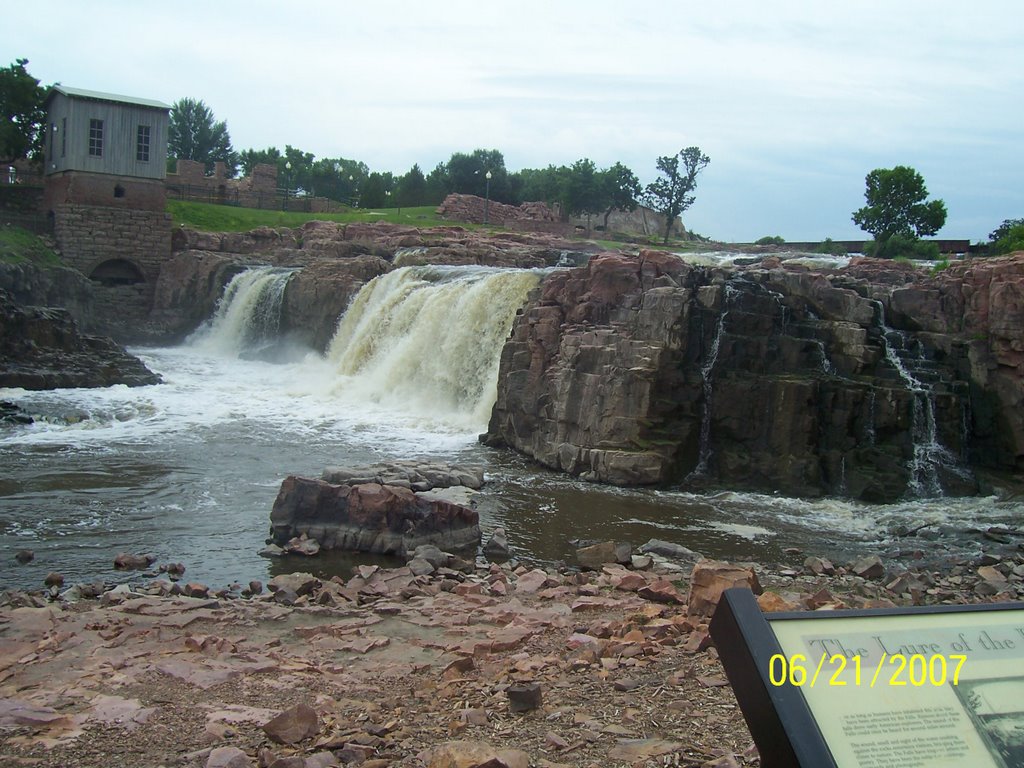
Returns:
<point x="117" y="272"/>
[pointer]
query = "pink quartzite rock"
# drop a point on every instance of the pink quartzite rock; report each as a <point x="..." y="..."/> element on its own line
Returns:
<point x="297" y="724"/>
<point x="712" y="577"/>
<point x="370" y="517"/>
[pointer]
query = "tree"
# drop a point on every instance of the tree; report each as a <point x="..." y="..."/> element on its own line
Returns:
<point x="412" y="188"/>
<point x="673" y="194"/>
<point x="583" y="190"/>
<point x="295" y="170"/>
<point x="467" y="174"/>
<point x="544" y="184"/>
<point x="24" y="117"/>
<point x="194" y="134"/>
<point x="248" y="159"/>
<point x="374" y="191"/>
<point x="337" y="178"/>
<point x="622" y="190"/>
<point x="896" y="213"/>
<point x="1008" y="237"/>
<point x="437" y="184"/>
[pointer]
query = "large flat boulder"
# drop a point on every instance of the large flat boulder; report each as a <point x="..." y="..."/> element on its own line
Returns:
<point x="371" y="517"/>
<point x="43" y="348"/>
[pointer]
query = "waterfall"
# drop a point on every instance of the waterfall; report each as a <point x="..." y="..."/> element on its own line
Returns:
<point x="429" y="339"/>
<point x="924" y="475"/>
<point x="826" y="365"/>
<point x="704" y="446"/>
<point x="928" y="453"/>
<point x="248" y="316"/>
<point x="869" y="422"/>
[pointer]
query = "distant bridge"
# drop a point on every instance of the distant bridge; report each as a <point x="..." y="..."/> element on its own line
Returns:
<point x="857" y="246"/>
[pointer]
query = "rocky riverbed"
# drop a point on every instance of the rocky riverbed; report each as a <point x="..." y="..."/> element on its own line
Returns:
<point x="493" y="664"/>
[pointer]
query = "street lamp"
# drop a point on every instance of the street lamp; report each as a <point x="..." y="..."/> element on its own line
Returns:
<point x="487" y="196"/>
<point x="287" y="180"/>
<point x="352" y="185"/>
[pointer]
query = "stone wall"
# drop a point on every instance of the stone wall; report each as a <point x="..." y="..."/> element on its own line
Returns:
<point x="642" y="222"/>
<point x="135" y="243"/>
<point x="258" y="190"/>
<point x="541" y="217"/>
<point x="475" y="209"/>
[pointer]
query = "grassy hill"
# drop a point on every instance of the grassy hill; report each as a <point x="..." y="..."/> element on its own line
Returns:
<point x="226" y="218"/>
<point x="18" y="245"/>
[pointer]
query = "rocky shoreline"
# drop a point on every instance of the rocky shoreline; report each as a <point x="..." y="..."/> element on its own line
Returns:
<point x="43" y="348"/>
<point x="604" y="664"/>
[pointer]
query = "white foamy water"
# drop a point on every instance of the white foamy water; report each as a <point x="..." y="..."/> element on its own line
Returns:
<point x="189" y="469"/>
<point x="428" y="340"/>
<point x="712" y="258"/>
<point x="248" y="315"/>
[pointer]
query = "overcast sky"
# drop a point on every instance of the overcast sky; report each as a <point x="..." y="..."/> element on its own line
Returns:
<point x="795" y="102"/>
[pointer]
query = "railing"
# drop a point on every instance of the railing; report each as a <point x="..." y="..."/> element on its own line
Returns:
<point x="21" y="195"/>
<point x="280" y="199"/>
<point x="11" y="177"/>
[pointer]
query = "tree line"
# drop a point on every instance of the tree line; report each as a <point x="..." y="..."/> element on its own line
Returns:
<point x="581" y="189"/>
<point x="897" y="214"/>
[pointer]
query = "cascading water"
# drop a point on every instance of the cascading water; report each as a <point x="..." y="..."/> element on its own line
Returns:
<point x="704" y="447"/>
<point x="248" y="316"/>
<point x="428" y="340"/>
<point x="928" y="453"/>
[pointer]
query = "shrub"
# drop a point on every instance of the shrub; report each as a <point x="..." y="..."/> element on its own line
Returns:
<point x="831" y="247"/>
<point x="902" y="246"/>
<point x="1012" y="239"/>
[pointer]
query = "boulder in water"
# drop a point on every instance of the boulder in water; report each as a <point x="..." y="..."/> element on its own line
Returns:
<point x="371" y="517"/>
<point x="43" y="348"/>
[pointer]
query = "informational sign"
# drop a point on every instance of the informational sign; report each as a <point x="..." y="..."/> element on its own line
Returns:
<point x="927" y="687"/>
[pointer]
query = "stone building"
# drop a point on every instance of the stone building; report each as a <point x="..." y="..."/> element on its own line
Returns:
<point x="105" y="163"/>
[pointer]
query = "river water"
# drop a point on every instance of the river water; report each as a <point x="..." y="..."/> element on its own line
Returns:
<point x="188" y="470"/>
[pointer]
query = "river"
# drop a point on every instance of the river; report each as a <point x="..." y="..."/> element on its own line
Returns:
<point x="188" y="469"/>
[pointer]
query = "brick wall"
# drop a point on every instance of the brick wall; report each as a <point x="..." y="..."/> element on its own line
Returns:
<point x="98" y="189"/>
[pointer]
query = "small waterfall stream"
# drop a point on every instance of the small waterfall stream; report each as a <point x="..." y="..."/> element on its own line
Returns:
<point x="247" y="320"/>
<point x="928" y="453"/>
<point x="706" y="371"/>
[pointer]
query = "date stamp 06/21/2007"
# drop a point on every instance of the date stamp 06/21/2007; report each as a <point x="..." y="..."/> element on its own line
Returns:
<point x="838" y="670"/>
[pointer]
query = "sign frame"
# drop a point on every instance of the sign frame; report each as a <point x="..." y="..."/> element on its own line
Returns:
<point x="779" y="716"/>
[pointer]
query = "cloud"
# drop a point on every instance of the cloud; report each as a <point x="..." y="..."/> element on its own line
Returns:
<point x="794" y="102"/>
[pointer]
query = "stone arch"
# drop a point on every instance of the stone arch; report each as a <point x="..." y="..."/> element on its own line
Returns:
<point x="113" y="272"/>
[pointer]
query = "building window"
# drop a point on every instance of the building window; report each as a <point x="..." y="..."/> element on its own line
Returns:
<point x="63" y="136"/>
<point x="96" y="138"/>
<point x="142" y="144"/>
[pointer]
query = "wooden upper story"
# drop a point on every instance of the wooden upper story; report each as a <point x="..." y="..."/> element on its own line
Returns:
<point x="93" y="132"/>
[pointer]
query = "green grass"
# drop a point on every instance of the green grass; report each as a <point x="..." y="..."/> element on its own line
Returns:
<point x="228" y="218"/>
<point x="18" y="245"/>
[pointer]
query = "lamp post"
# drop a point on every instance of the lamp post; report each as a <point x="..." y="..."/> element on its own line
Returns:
<point x="487" y="196"/>
<point x="352" y="185"/>
<point x="287" y="180"/>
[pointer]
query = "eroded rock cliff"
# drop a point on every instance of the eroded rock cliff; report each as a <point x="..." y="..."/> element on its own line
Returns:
<point x="42" y="348"/>
<point x="876" y="381"/>
<point x="334" y="261"/>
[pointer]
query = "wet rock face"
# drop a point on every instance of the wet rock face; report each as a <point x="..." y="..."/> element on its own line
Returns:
<point x="333" y="261"/>
<point x="370" y="517"/>
<point x="637" y="370"/>
<point x="42" y="348"/>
